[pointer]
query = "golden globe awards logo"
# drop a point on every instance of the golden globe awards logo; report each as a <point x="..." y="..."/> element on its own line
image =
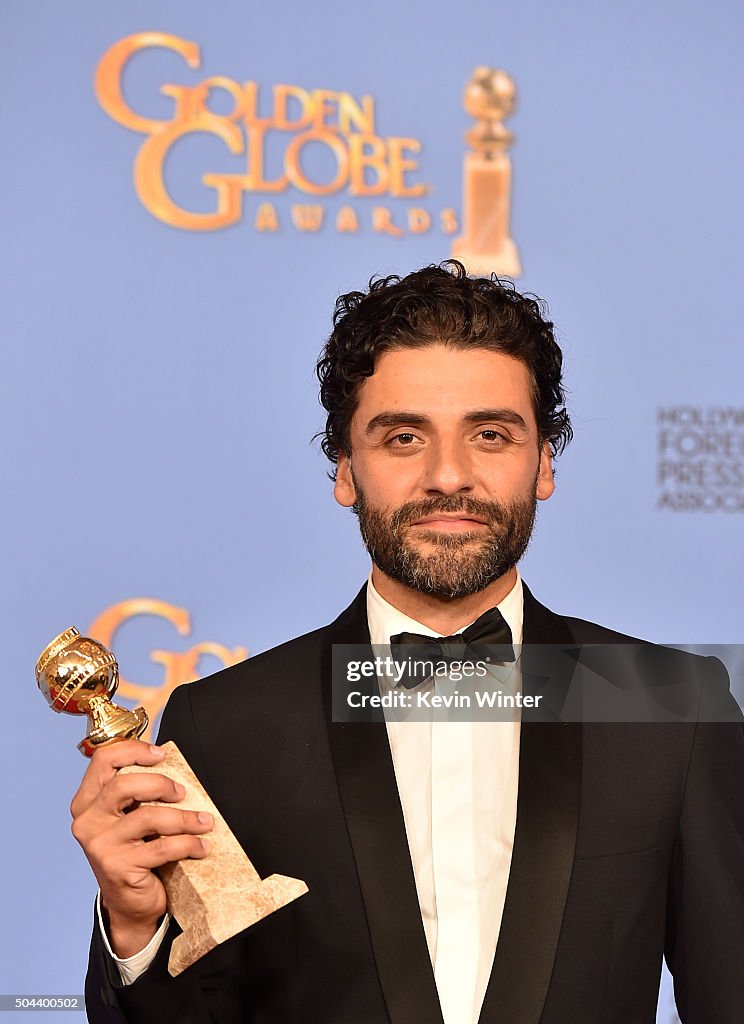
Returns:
<point x="700" y="458"/>
<point x="280" y="134"/>
<point x="296" y="120"/>
<point x="177" y="666"/>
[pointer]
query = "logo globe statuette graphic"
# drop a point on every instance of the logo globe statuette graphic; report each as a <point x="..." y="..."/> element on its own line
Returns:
<point x="79" y="676"/>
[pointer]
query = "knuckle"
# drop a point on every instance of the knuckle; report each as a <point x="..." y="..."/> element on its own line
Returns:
<point x="114" y="787"/>
<point x="121" y="784"/>
<point x="101" y="759"/>
<point x="92" y="847"/>
<point x="131" y="785"/>
<point x="108" y="865"/>
<point x="149" y="820"/>
<point x="159" y="847"/>
<point x="190" y="846"/>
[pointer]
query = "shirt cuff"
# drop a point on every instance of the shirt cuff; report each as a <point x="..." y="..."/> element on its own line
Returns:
<point x="131" y="967"/>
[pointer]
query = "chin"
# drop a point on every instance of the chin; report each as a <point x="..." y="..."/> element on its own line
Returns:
<point x="447" y="539"/>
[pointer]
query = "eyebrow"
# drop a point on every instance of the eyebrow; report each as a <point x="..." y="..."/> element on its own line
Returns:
<point x="396" y="419"/>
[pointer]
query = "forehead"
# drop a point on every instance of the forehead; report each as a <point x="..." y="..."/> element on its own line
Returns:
<point x="446" y="381"/>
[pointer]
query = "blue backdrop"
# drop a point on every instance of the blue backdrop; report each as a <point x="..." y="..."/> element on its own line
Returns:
<point x="157" y="388"/>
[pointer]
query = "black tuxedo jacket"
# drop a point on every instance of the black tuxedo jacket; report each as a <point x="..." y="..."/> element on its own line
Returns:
<point x="629" y="844"/>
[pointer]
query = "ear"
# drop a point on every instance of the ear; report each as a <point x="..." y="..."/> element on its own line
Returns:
<point x="545" y="484"/>
<point x="344" y="490"/>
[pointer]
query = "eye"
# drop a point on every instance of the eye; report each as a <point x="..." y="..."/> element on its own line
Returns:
<point x="402" y="440"/>
<point x="493" y="437"/>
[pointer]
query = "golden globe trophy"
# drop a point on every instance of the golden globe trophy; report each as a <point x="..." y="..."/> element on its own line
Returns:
<point x="212" y="899"/>
<point x="485" y="245"/>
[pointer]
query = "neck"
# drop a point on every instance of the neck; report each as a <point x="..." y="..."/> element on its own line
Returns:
<point x="442" y="614"/>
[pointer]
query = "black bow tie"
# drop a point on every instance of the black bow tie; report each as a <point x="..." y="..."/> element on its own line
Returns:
<point x="487" y="639"/>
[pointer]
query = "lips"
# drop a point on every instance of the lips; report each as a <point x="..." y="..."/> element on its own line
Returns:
<point x="447" y="517"/>
<point x="441" y="517"/>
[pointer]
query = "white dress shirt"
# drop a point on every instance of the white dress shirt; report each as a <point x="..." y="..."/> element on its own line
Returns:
<point x="457" y="782"/>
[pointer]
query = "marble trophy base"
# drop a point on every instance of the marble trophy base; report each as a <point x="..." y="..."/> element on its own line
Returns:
<point x="220" y="896"/>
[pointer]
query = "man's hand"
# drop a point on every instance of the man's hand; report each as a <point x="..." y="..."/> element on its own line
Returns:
<point x="112" y="829"/>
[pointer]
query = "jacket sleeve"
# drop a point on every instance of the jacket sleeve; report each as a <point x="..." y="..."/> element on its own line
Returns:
<point x="209" y="990"/>
<point x="705" y="922"/>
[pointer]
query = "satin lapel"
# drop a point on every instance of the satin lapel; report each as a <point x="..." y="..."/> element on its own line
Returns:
<point x="544" y="841"/>
<point x="369" y="795"/>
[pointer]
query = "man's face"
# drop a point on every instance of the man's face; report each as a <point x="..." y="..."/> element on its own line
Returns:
<point x="445" y="467"/>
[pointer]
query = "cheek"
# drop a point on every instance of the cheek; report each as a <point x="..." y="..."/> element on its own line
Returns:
<point x="387" y="488"/>
<point x="502" y="473"/>
<point x="389" y="485"/>
<point x="378" y="489"/>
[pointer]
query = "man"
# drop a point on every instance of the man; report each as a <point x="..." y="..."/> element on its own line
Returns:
<point x="525" y="872"/>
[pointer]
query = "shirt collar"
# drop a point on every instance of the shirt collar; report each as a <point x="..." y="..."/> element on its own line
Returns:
<point x="385" y="620"/>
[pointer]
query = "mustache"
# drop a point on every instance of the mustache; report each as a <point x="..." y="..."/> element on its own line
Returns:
<point x="490" y="511"/>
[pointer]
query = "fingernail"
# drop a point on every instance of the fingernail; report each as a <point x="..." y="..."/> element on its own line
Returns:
<point x="180" y="790"/>
<point x="207" y="846"/>
<point x="156" y="751"/>
<point x="204" y="817"/>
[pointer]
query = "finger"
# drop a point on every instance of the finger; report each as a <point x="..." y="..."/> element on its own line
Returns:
<point x="121" y="792"/>
<point x="161" y="821"/>
<point x="106" y="762"/>
<point x="170" y="848"/>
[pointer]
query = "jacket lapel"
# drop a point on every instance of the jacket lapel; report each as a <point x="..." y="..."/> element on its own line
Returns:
<point x="545" y="836"/>
<point x="369" y="795"/>
<point x="544" y="841"/>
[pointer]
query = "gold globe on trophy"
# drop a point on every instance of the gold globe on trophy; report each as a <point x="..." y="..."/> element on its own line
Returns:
<point x="79" y="676"/>
<point x="212" y="899"/>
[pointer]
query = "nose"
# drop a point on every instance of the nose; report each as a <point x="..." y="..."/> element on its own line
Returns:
<point x="448" y="468"/>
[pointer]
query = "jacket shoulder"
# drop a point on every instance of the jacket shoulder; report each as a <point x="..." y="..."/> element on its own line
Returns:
<point x="290" y="661"/>
<point x="587" y="632"/>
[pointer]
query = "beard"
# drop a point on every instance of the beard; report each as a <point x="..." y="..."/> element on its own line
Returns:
<point x="460" y="564"/>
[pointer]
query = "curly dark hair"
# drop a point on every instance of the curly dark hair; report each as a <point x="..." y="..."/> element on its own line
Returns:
<point x="438" y="305"/>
